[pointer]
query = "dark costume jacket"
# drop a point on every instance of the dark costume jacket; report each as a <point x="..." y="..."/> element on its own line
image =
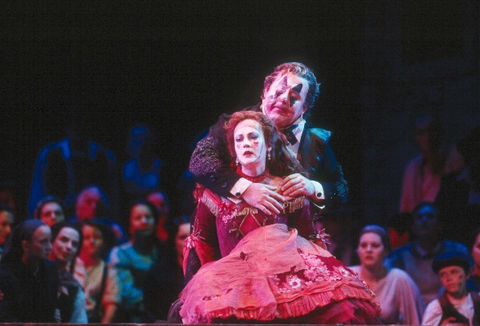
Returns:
<point x="10" y="303"/>
<point x="449" y="310"/>
<point x="210" y="162"/>
<point x="37" y="291"/>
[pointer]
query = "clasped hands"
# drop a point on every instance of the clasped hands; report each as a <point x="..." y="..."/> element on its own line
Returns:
<point x="269" y="199"/>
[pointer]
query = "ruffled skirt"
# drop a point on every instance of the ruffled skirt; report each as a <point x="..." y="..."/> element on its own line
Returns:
<point x="274" y="275"/>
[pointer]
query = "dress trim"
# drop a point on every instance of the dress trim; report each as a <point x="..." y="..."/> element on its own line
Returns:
<point x="301" y="306"/>
<point x="215" y="205"/>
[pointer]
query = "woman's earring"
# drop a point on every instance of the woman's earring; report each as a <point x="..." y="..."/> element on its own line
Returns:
<point x="237" y="162"/>
<point x="269" y="156"/>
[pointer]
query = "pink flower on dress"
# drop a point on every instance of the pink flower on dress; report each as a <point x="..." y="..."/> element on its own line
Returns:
<point x="312" y="260"/>
<point x="294" y="282"/>
<point x="344" y="272"/>
<point x="310" y="273"/>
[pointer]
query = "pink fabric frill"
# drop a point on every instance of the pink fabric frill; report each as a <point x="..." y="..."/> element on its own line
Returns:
<point x="273" y="274"/>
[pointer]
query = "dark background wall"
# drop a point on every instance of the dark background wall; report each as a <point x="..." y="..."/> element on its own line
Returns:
<point x="176" y="65"/>
<point x="419" y="57"/>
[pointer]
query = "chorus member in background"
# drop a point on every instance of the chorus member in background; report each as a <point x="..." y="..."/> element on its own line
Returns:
<point x="134" y="259"/>
<point x="66" y="243"/>
<point x="159" y="199"/>
<point x="423" y="174"/>
<point x="98" y="279"/>
<point x="473" y="282"/>
<point x="165" y="279"/>
<point x="92" y="202"/>
<point x="416" y="257"/>
<point x="6" y="222"/>
<point x="396" y="292"/>
<point x="26" y="255"/>
<point x="456" y="305"/>
<point x="50" y="210"/>
<point x="64" y="167"/>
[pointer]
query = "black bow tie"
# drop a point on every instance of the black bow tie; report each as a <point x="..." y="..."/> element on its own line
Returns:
<point x="288" y="132"/>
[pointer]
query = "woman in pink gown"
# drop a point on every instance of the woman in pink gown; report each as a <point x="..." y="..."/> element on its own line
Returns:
<point x="245" y="266"/>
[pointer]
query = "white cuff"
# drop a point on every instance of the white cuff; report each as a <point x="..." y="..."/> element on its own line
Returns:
<point x="240" y="186"/>
<point x="319" y="193"/>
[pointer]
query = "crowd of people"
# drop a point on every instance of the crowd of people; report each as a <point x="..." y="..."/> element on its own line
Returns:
<point x="266" y="234"/>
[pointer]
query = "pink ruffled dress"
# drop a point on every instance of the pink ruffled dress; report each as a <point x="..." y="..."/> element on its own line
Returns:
<point x="267" y="272"/>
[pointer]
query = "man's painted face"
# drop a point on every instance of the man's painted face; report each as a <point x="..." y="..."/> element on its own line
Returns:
<point x="65" y="245"/>
<point x="52" y="213"/>
<point x="6" y="221"/>
<point x="371" y="250"/>
<point x="453" y="278"/>
<point x="250" y="146"/>
<point x="284" y="101"/>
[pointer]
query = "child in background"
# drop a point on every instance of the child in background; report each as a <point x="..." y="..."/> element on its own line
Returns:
<point x="456" y="305"/>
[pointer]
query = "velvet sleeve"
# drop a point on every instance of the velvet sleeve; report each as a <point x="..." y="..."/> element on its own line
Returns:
<point x="202" y="245"/>
<point x="302" y="221"/>
<point x="319" y="161"/>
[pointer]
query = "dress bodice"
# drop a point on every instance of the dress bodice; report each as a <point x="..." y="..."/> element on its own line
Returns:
<point x="234" y="218"/>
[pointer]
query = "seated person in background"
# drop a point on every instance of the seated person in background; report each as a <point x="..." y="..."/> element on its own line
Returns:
<point x="423" y="174"/>
<point x="267" y="272"/>
<point x="141" y="172"/>
<point x="159" y="200"/>
<point x="25" y="257"/>
<point x="10" y="301"/>
<point x="165" y="279"/>
<point x="50" y="210"/>
<point x="416" y="257"/>
<point x="396" y="292"/>
<point x="456" y="305"/>
<point x="134" y="259"/>
<point x="473" y="282"/>
<point x="98" y="279"/>
<point x="9" y="195"/>
<point x="66" y="166"/>
<point x="399" y="231"/>
<point x="459" y="195"/>
<point x="6" y="221"/>
<point x="66" y="242"/>
<point x="92" y="202"/>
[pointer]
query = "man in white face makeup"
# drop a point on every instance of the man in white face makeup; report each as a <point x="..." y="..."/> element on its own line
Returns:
<point x="288" y="96"/>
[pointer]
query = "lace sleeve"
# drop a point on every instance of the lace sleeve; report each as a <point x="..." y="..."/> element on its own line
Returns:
<point x="206" y="157"/>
